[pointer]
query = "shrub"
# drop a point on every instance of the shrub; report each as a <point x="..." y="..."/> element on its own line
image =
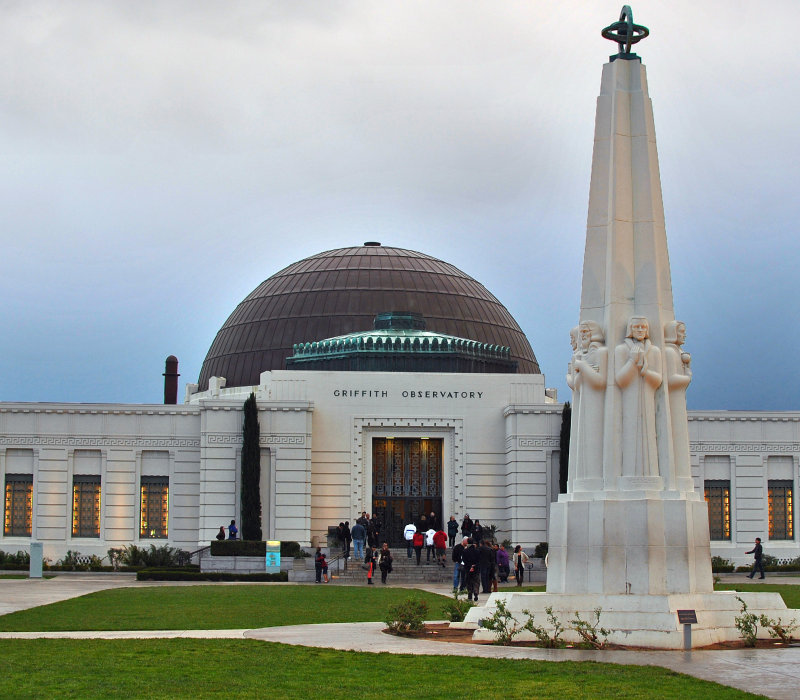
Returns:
<point x="131" y="555"/>
<point x="778" y="629"/>
<point x="75" y="561"/>
<point x="238" y="548"/>
<point x="747" y="624"/>
<point x="407" y="616"/>
<point x="19" y="559"/>
<point x="721" y="565"/>
<point x="590" y="632"/>
<point x="456" y="610"/>
<point x="541" y="550"/>
<point x="192" y="574"/>
<point x="290" y="549"/>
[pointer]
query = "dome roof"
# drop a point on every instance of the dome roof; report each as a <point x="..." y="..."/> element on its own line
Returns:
<point x="342" y="291"/>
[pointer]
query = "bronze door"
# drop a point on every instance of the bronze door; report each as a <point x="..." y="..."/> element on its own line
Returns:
<point x="406" y="483"/>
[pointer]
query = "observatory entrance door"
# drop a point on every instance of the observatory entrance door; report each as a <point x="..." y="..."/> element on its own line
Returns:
<point x="406" y="483"/>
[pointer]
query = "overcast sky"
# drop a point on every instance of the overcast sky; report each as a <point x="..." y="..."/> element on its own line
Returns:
<point x="161" y="159"/>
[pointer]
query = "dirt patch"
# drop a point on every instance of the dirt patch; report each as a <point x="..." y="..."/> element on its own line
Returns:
<point x="442" y="632"/>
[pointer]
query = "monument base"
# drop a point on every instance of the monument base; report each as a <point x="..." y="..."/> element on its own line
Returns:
<point x="629" y="542"/>
<point x="637" y="620"/>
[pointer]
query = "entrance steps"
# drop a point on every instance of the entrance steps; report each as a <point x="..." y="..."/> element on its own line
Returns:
<point x="404" y="570"/>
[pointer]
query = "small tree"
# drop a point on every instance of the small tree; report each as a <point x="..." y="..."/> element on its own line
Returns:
<point x="563" y="447"/>
<point x="251" y="472"/>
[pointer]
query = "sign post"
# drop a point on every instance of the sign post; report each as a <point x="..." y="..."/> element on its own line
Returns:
<point x="273" y="560"/>
<point x="687" y="618"/>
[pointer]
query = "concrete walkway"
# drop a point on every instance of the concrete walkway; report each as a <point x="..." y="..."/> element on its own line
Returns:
<point x="776" y="672"/>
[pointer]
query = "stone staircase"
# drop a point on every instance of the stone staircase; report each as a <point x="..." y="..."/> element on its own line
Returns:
<point x="404" y="570"/>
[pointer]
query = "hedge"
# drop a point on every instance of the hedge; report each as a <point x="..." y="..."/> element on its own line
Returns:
<point x="184" y="575"/>
<point x="238" y="548"/>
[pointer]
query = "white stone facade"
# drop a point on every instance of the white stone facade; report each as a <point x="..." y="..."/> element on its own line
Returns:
<point x="500" y="462"/>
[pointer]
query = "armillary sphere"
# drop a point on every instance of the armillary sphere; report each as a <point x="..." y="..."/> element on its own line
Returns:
<point x="625" y="32"/>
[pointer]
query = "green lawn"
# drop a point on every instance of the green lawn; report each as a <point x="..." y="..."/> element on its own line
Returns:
<point x="248" y="668"/>
<point x="214" y="607"/>
<point x="789" y="593"/>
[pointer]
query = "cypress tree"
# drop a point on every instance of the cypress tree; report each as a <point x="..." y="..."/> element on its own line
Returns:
<point x="251" y="472"/>
<point x="563" y="446"/>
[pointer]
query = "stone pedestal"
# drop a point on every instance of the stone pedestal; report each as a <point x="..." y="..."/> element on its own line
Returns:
<point x="629" y="542"/>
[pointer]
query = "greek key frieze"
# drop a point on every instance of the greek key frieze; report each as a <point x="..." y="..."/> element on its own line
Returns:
<point x="537" y="442"/>
<point x="79" y="441"/>
<point x="773" y="448"/>
<point x="265" y="440"/>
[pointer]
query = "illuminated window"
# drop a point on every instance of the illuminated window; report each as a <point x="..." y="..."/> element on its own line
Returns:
<point x="86" y="506"/>
<point x="19" y="505"/>
<point x="780" y="510"/>
<point x="155" y="507"/>
<point x="718" y="497"/>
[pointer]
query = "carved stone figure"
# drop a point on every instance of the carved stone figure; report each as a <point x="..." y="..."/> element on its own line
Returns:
<point x="573" y="445"/>
<point x="677" y="365"/>
<point x="573" y="341"/>
<point x="590" y="376"/>
<point x="638" y="374"/>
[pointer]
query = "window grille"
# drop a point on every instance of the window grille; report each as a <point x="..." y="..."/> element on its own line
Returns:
<point x="718" y="497"/>
<point x="18" y="516"/>
<point x="154" y="507"/>
<point x="781" y="506"/>
<point x="86" y="506"/>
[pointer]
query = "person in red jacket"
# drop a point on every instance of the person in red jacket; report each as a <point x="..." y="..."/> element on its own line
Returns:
<point x="418" y="542"/>
<point x="440" y="544"/>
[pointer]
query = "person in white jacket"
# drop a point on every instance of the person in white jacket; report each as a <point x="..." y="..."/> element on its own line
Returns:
<point x="408" y="534"/>
<point x="429" y="546"/>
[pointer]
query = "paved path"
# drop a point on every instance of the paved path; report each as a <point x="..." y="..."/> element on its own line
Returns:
<point x="777" y="672"/>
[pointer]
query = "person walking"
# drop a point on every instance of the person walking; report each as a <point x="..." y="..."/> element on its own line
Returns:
<point x="419" y="543"/>
<point x="348" y="538"/>
<point x="408" y="534"/>
<point x="758" y="564"/>
<point x="385" y="562"/>
<point x="232" y="530"/>
<point x="369" y="563"/>
<point x="429" y="549"/>
<point x="520" y="559"/>
<point x="486" y="557"/>
<point x="452" y="530"/>
<point x="471" y="560"/>
<point x="477" y="532"/>
<point x="503" y="568"/>
<point x="440" y="544"/>
<point x="359" y="535"/>
<point x="459" y="580"/>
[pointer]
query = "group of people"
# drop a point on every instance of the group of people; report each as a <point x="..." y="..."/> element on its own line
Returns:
<point x="366" y="531"/>
<point x="429" y="536"/>
<point x="233" y="531"/>
<point x="479" y="565"/>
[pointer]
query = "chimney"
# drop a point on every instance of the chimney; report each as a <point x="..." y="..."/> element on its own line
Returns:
<point x="171" y="380"/>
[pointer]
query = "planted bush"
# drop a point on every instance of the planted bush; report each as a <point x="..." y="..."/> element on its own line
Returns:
<point x="408" y="616"/>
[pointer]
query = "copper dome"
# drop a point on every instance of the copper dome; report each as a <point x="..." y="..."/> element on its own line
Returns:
<point x="341" y="291"/>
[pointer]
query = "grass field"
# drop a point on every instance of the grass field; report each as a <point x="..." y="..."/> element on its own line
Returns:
<point x="214" y="607"/>
<point x="247" y="668"/>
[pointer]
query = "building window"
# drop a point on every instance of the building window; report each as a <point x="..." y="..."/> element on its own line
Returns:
<point x="86" y="506"/>
<point x="781" y="507"/>
<point x="718" y="497"/>
<point x="155" y="507"/>
<point x="19" y="505"/>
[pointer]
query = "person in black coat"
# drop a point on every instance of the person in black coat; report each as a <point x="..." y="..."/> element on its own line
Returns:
<point x="369" y="563"/>
<point x="466" y="526"/>
<point x="477" y="532"/>
<point x="472" y="570"/>
<point x="459" y="580"/>
<point x="452" y="530"/>
<point x="348" y="538"/>
<point x="757" y="553"/>
<point x="486" y="557"/>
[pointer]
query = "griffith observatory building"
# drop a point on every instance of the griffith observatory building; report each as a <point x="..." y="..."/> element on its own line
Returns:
<point x="387" y="381"/>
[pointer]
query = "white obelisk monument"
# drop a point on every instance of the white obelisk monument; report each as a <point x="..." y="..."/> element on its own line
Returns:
<point x="631" y="534"/>
<point x="631" y="521"/>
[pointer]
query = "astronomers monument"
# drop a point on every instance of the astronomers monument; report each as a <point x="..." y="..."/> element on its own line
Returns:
<point x="631" y="534"/>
